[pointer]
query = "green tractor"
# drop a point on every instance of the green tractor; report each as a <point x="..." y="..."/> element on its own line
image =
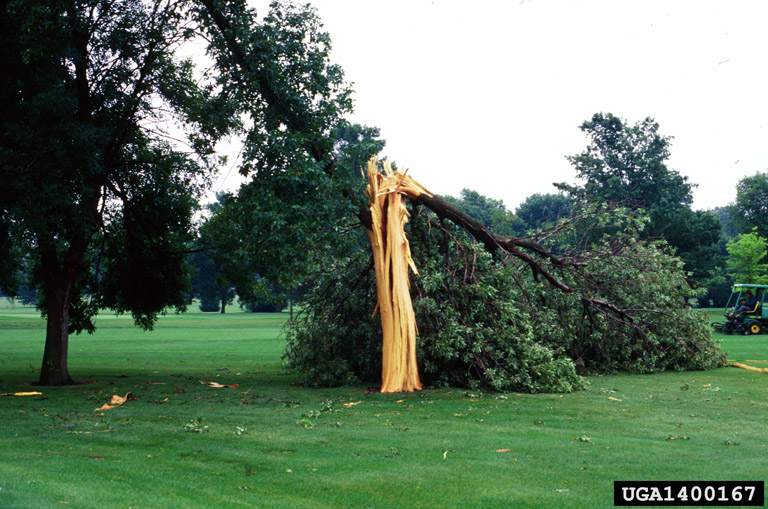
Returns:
<point x="745" y="312"/>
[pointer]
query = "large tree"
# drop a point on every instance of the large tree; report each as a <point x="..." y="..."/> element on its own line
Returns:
<point x="626" y="164"/>
<point x="107" y="136"/>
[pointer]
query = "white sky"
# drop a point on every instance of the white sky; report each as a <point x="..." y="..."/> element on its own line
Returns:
<point x="489" y="94"/>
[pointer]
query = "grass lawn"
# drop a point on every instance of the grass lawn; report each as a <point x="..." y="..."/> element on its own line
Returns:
<point x="272" y="443"/>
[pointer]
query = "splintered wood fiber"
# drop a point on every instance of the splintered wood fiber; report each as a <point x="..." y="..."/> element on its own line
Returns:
<point x="392" y="259"/>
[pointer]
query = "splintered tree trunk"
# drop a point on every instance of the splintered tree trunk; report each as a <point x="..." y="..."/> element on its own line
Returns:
<point x="392" y="258"/>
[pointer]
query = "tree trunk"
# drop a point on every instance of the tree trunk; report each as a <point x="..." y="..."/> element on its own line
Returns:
<point x="392" y="259"/>
<point x="59" y="280"/>
<point x="223" y="305"/>
<point x="55" y="370"/>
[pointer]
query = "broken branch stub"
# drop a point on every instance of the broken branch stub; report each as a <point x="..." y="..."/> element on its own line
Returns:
<point x="392" y="258"/>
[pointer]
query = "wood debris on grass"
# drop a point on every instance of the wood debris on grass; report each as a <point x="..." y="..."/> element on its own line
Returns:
<point x="751" y="368"/>
<point x="218" y="385"/>
<point x="392" y="259"/>
<point x="33" y="393"/>
<point x="116" y="401"/>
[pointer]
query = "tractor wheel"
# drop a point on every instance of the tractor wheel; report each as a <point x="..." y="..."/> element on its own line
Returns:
<point x="754" y="327"/>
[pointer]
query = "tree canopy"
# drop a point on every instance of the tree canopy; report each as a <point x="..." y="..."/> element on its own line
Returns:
<point x="107" y="137"/>
<point x="626" y="164"/>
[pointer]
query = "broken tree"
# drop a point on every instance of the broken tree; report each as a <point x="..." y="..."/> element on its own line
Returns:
<point x="392" y="257"/>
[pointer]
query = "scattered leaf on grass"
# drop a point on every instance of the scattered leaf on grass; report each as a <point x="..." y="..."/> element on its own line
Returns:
<point x="613" y="399"/>
<point x="677" y="437"/>
<point x="22" y="394"/>
<point x="351" y="403"/>
<point x="503" y="450"/>
<point x="217" y="385"/>
<point x="114" y="402"/>
<point x="445" y="454"/>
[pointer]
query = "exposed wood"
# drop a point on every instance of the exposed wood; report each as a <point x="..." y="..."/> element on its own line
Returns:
<point x="751" y="368"/>
<point x="392" y="259"/>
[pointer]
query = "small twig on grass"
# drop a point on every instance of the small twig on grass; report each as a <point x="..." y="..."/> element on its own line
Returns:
<point x="268" y="398"/>
<point x="65" y="420"/>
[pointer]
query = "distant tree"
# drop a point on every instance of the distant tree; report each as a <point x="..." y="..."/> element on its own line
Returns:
<point x="488" y="211"/>
<point x="729" y="225"/>
<point x="719" y="283"/>
<point x="210" y="285"/>
<point x="626" y="164"/>
<point x="264" y="298"/>
<point x="540" y="211"/>
<point x="751" y="206"/>
<point x="746" y="258"/>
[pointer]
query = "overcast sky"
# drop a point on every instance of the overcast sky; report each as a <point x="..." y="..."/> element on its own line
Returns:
<point x="489" y="94"/>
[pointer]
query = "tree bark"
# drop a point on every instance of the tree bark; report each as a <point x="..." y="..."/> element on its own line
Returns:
<point x="58" y="294"/>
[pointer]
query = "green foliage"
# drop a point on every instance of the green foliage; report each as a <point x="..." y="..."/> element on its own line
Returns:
<point x="719" y="282"/>
<point x="746" y="254"/>
<point x="100" y="201"/>
<point x="462" y="341"/>
<point x="540" y="211"/>
<point x="107" y="139"/>
<point x="751" y="207"/>
<point x="655" y="331"/>
<point x="626" y="165"/>
<point x="495" y="325"/>
<point x="209" y="284"/>
<point x="491" y="213"/>
<point x="267" y="236"/>
<point x="336" y="340"/>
